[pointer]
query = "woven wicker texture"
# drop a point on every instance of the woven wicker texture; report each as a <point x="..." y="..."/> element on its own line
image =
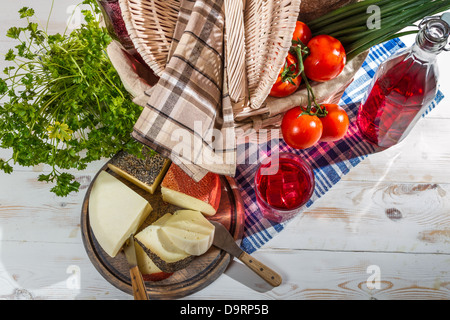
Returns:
<point x="151" y="24"/>
<point x="258" y="34"/>
<point x="235" y="51"/>
<point x="269" y="26"/>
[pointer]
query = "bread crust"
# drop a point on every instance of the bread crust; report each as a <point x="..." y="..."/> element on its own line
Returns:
<point x="312" y="9"/>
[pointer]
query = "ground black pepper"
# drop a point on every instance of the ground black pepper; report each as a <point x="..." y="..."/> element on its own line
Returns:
<point x="145" y="170"/>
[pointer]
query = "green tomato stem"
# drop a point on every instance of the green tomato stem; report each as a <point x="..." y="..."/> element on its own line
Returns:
<point x="301" y="51"/>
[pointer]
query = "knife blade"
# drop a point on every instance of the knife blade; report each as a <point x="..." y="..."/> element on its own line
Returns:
<point x="137" y="282"/>
<point x="225" y="241"/>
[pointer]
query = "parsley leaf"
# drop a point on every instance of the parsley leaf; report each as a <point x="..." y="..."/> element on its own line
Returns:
<point x="65" y="104"/>
<point x="26" y="12"/>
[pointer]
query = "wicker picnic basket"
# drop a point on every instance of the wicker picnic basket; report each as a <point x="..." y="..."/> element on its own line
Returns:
<point x="258" y="36"/>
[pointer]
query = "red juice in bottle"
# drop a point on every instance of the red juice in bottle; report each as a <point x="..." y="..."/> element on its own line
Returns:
<point x="281" y="193"/>
<point x="114" y="22"/>
<point x="116" y="27"/>
<point x="403" y="87"/>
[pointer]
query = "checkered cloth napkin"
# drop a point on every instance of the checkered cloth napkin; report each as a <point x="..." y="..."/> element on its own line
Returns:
<point x="190" y="102"/>
<point x="330" y="161"/>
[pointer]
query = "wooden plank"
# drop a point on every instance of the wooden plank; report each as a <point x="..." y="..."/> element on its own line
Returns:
<point x="339" y="275"/>
<point x="422" y="157"/>
<point x="361" y="216"/>
<point x="33" y="271"/>
<point x="39" y="270"/>
<point x="30" y="212"/>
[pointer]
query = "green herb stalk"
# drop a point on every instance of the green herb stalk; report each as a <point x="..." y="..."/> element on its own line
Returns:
<point x="65" y="104"/>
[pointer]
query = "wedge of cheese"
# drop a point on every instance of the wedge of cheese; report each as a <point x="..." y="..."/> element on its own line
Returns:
<point x="149" y="270"/>
<point x="115" y="212"/>
<point x="190" y="231"/>
<point x="179" y="189"/>
<point x="163" y="252"/>
<point x="146" y="173"/>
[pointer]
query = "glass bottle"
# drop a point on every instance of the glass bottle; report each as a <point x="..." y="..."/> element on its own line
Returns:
<point x="115" y="24"/>
<point x="404" y="85"/>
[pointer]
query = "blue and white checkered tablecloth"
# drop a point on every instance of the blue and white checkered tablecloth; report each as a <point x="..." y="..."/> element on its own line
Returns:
<point x="330" y="161"/>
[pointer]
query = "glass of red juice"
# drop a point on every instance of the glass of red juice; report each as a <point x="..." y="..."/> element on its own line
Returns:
<point x="284" y="183"/>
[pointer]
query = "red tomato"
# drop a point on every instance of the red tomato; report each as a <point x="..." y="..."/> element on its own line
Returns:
<point x="326" y="60"/>
<point x="335" y="123"/>
<point x="302" y="33"/>
<point x="288" y="81"/>
<point x="300" y="131"/>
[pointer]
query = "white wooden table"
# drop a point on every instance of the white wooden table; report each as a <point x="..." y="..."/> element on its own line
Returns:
<point x="383" y="232"/>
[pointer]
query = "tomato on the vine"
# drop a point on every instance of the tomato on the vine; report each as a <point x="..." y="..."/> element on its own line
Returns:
<point x="300" y="131"/>
<point x="302" y="33"/>
<point x="335" y="123"/>
<point x="326" y="59"/>
<point x="288" y="79"/>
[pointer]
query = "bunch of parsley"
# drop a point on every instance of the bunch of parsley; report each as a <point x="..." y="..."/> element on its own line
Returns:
<point x="65" y="105"/>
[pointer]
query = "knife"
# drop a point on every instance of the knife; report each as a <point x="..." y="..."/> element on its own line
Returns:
<point x="137" y="282"/>
<point x="225" y="241"/>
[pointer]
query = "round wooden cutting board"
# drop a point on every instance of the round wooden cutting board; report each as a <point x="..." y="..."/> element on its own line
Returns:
<point x="201" y="272"/>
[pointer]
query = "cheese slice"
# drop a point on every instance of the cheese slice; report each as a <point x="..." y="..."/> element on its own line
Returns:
<point x="179" y="189"/>
<point x="115" y="212"/>
<point x="161" y="250"/>
<point x="149" y="270"/>
<point x="190" y="231"/>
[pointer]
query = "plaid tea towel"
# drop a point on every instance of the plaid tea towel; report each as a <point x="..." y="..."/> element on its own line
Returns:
<point x="330" y="161"/>
<point x="188" y="116"/>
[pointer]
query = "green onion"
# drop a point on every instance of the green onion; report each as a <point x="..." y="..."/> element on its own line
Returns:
<point x="376" y="41"/>
<point x="361" y="19"/>
<point x="349" y="23"/>
<point x="344" y="12"/>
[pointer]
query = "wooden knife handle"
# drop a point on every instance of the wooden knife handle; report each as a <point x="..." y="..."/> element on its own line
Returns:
<point x="261" y="269"/>
<point x="137" y="282"/>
